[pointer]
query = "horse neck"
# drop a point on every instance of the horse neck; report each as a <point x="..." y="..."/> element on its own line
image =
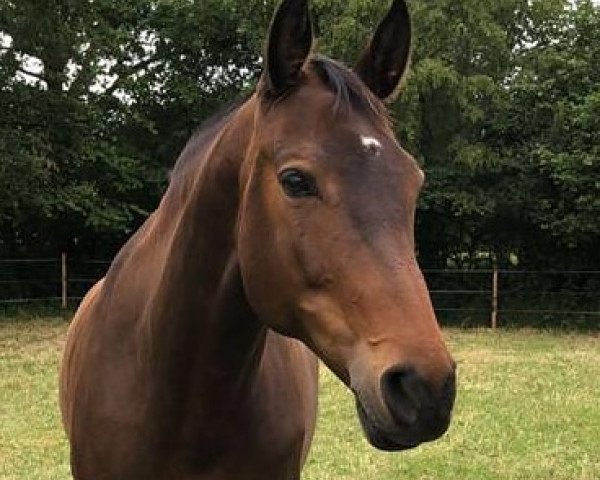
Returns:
<point x="200" y="320"/>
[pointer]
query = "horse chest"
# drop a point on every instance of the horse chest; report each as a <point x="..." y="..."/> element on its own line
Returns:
<point x="266" y="436"/>
<point x="268" y="449"/>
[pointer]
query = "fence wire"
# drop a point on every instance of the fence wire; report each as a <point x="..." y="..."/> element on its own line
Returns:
<point x="459" y="297"/>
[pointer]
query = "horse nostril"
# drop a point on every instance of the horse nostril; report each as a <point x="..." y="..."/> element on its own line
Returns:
<point x="414" y="403"/>
<point x="404" y="393"/>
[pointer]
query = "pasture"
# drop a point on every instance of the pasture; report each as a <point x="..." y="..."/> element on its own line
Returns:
<point x="527" y="408"/>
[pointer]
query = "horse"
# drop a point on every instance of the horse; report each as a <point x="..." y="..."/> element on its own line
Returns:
<point x="285" y="237"/>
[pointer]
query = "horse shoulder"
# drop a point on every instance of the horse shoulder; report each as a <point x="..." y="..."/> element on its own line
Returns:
<point x="70" y="361"/>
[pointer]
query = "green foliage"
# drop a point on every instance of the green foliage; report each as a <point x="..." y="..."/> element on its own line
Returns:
<point x="86" y="142"/>
<point x="501" y="109"/>
<point x="548" y="129"/>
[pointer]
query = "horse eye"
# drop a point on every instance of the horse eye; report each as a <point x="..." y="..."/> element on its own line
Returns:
<point x="298" y="184"/>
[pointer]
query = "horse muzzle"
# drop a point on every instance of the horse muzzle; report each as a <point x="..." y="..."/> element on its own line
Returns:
<point x="414" y="412"/>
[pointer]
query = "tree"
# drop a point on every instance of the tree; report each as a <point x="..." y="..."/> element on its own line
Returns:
<point x="101" y="95"/>
<point x="549" y="137"/>
<point x="98" y="97"/>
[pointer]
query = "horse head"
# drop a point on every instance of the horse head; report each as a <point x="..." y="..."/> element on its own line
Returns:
<point x="325" y="231"/>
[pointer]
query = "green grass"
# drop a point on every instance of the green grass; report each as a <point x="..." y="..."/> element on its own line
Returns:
<point x="528" y="407"/>
<point x="32" y="444"/>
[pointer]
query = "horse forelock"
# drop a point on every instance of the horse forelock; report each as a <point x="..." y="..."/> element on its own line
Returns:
<point x="351" y="93"/>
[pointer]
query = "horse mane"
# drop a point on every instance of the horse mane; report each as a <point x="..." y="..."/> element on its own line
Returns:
<point x="203" y="135"/>
<point x="350" y="93"/>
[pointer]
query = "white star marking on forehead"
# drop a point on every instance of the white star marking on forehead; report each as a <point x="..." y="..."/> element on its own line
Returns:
<point x="372" y="145"/>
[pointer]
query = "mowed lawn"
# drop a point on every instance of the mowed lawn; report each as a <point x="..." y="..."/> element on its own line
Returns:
<point x="528" y="408"/>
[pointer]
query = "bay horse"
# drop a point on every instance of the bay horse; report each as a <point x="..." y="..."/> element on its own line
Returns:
<point x="284" y="237"/>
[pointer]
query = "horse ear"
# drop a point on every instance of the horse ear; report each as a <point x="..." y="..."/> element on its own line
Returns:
<point x="385" y="59"/>
<point x="290" y="41"/>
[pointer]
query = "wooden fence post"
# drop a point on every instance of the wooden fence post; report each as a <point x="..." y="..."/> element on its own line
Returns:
<point x="64" y="280"/>
<point x="494" y="314"/>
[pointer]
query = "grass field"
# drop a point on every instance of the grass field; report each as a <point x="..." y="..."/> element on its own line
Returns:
<point x="528" y="408"/>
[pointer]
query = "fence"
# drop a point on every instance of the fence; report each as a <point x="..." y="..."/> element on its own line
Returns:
<point x="516" y="297"/>
<point x="53" y="281"/>
<point x="460" y="297"/>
